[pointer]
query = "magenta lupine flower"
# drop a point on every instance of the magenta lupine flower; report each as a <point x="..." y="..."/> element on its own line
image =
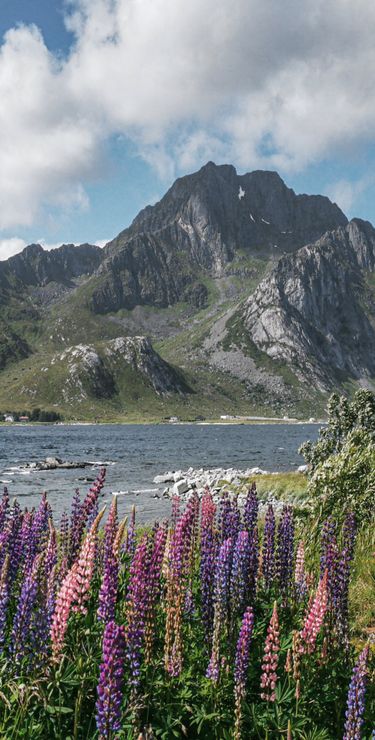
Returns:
<point x="221" y="597"/>
<point x="241" y="666"/>
<point x="271" y="658"/>
<point x="285" y="552"/>
<point x="315" y="617"/>
<point x="250" y="514"/>
<point x="356" y="698"/>
<point x="328" y="539"/>
<point x="108" y="705"/>
<point x="208" y="549"/>
<point x="83" y="514"/>
<point x="239" y="574"/>
<point x="268" y="550"/>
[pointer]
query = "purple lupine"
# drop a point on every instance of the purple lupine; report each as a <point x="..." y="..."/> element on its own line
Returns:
<point x="154" y="587"/>
<point x="4" y="508"/>
<point x="327" y="538"/>
<point x="128" y="546"/>
<point x="356" y="698"/>
<point x="64" y="535"/>
<point x="85" y="513"/>
<point x="179" y="557"/>
<point x="4" y="600"/>
<point x="110" y="530"/>
<point x="136" y="607"/>
<point x="224" y="517"/>
<point x="342" y="579"/>
<point x="239" y="574"/>
<point x="253" y="564"/>
<point x="221" y="595"/>
<point x="233" y="525"/>
<point x="300" y="582"/>
<point x="20" y="638"/>
<point x="208" y="549"/>
<point x="250" y="513"/>
<point x="241" y="665"/>
<point x="268" y="550"/>
<point x="108" y="588"/>
<point x="108" y="704"/>
<point x="285" y="550"/>
<point x="176" y="506"/>
<point x="38" y="533"/>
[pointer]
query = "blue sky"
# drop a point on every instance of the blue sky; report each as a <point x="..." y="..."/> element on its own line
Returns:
<point x="105" y="102"/>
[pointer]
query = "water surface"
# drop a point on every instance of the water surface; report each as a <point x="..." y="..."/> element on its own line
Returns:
<point x="134" y="454"/>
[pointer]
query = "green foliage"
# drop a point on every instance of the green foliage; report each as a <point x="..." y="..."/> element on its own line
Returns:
<point x="342" y="461"/>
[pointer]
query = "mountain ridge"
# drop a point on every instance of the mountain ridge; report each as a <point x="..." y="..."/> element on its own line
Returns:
<point x="256" y="297"/>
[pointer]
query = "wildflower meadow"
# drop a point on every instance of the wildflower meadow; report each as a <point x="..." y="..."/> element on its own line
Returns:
<point x="219" y="623"/>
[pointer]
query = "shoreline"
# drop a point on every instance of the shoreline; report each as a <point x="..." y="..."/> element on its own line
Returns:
<point x="254" y="421"/>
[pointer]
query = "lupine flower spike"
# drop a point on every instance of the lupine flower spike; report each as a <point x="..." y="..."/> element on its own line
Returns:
<point x="271" y="658"/>
<point x="241" y="666"/>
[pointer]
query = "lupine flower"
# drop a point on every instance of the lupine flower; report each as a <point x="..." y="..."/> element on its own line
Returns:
<point x="136" y="607"/>
<point x="110" y="530"/>
<point x="208" y="547"/>
<point x="64" y="535"/>
<point x="74" y="589"/>
<point x="20" y="638"/>
<point x="240" y="667"/>
<point x="153" y="588"/>
<point x="239" y="574"/>
<point x="179" y="557"/>
<point x="221" y="595"/>
<point x="271" y="658"/>
<point x="250" y="513"/>
<point x="108" y="589"/>
<point x="4" y="599"/>
<point x="253" y="564"/>
<point x="108" y="705"/>
<point x="285" y="549"/>
<point x="129" y="543"/>
<point x="356" y="698"/>
<point x="315" y="617"/>
<point x="300" y="584"/>
<point x="268" y="552"/>
<point x="4" y="507"/>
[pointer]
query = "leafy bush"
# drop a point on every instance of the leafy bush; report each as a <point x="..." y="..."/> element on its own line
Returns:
<point x="342" y="461"/>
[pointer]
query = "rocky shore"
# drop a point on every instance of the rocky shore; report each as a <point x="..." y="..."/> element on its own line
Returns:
<point x="184" y="483"/>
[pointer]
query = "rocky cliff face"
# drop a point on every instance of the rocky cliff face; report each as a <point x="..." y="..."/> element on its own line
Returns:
<point x="35" y="266"/>
<point x="315" y="312"/>
<point x="198" y="228"/>
<point x="95" y="372"/>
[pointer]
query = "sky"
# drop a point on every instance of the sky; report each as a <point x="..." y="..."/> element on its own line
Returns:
<point x="105" y="102"/>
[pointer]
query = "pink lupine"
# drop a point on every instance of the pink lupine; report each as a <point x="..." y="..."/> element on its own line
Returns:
<point x="74" y="589"/>
<point x="315" y="617"/>
<point x="271" y="658"/>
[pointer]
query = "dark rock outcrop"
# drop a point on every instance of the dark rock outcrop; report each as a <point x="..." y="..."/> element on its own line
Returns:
<point x="200" y="225"/>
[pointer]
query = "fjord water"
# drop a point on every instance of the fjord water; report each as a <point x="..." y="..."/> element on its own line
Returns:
<point x="134" y="454"/>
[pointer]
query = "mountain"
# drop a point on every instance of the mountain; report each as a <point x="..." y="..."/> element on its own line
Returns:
<point x="203" y="222"/>
<point x="231" y="295"/>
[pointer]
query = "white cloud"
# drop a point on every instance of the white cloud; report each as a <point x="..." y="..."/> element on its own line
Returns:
<point x="345" y="192"/>
<point x="257" y="82"/>
<point x="11" y="246"/>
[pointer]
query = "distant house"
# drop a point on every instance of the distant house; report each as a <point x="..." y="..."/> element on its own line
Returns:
<point x="9" y="417"/>
<point x="24" y="418"/>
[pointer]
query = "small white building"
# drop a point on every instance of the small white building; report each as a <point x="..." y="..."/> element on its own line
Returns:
<point x="9" y="417"/>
